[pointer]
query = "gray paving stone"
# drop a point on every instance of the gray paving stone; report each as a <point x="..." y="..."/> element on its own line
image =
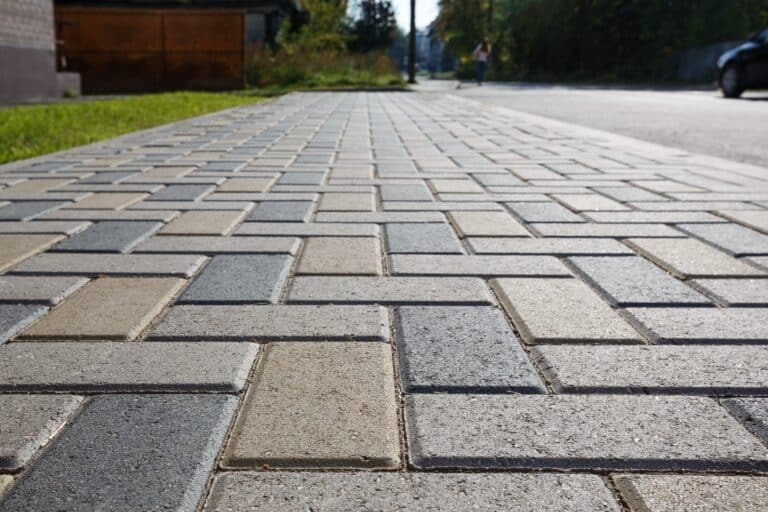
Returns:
<point x="668" y="369"/>
<point x="552" y="246"/>
<point x="753" y="414"/>
<point x="380" y="217"/>
<point x="589" y="202"/>
<point x="702" y="325"/>
<point x="219" y="245"/>
<point x="273" y="323"/>
<point x="634" y="281"/>
<point x="15" y="317"/>
<point x="440" y="206"/>
<point x="474" y="265"/>
<point x="126" y="367"/>
<point x="421" y="238"/>
<point x="89" y="264"/>
<point x="127" y="453"/>
<point x="626" y="194"/>
<point x="181" y="193"/>
<point x="491" y="179"/>
<point x="109" y="236"/>
<point x="461" y="349"/>
<point x="417" y="191"/>
<point x="388" y="290"/>
<point x="553" y="310"/>
<point x="652" y="217"/>
<point x="48" y="290"/>
<point x="732" y="238"/>
<point x="573" y="230"/>
<point x="239" y="279"/>
<point x="282" y="211"/>
<point x="44" y="227"/>
<point x="702" y="493"/>
<point x="96" y="215"/>
<point x="487" y="224"/>
<point x="26" y="210"/>
<point x="543" y="212"/>
<point x="578" y="432"/>
<point x="305" y="229"/>
<point x="301" y="178"/>
<point x="106" y="177"/>
<point x="29" y="423"/>
<point x="192" y="205"/>
<point x="370" y="492"/>
<point x="736" y="292"/>
<point x="755" y="219"/>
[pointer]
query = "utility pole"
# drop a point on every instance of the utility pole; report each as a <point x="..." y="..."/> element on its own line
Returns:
<point x="412" y="46"/>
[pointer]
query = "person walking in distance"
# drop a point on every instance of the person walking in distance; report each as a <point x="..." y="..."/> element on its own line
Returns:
<point x="482" y="53"/>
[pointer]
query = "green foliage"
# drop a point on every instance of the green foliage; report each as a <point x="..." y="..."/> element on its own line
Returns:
<point x="32" y="130"/>
<point x="375" y="28"/>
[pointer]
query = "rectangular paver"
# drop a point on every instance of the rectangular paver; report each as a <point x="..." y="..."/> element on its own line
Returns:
<point x="703" y="325"/>
<point x="543" y="212"/>
<point x="421" y="238"/>
<point x="108" y="201"/>
<point x="340" y="255"/>
<point x="347" y="202"/>
<point x="552" y="246"/>
<point x="752" y="413"/>
<point x="181" y="193"/>
<point x="26" y="210"/>
<point x="282" y="211"/>
<point x="17" y="248"/>
<point x="110" y="236"/>
<point x="218" y="245"/>
<point x="49" y="290"/>
<point x="731" y="238"/>
<point x="487" y="224"/>
<point x="15" y="317"/>
<point x="305" y="229"/>
<point x="476" y="265"/>
<point x="204" y="223"/>
<point x="89" y="264"/>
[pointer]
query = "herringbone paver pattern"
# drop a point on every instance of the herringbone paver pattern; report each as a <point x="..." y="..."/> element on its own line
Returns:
<point x="344" y="301"/>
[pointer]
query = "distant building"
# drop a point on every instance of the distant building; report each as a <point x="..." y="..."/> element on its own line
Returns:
<point x="431" y="55"/>
<point x="123" y="46"/>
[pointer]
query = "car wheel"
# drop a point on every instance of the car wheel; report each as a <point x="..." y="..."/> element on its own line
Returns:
<point x="730" y="82"/>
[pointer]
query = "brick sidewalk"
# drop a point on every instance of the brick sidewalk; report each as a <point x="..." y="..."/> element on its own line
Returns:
<point x="480" y="309"/>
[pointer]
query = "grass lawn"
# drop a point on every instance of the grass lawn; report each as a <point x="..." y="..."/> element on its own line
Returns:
<point x="33" y="130"/>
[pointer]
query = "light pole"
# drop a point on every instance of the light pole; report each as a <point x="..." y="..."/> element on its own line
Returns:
<point x="412" y="46"/>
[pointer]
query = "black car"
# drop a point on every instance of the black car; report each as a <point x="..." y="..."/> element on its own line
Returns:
<point x="744" y="67"/>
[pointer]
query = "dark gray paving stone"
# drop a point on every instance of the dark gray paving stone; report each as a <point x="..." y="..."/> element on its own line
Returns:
<point x="702" y="325"/>
<point x="117" y="367"/>
<point x="543" y="212"/>
<point x="753" y="414"/>
<point x="15" y="317"/>
<point x="421" y="239"/>
<point x="48" y="290"/>
<point x="128" y="453"/>
<point x="732" y="238"/>
<point x="634" y="281"/>
<point x="370" y="492"/>
<point x="417" y="191"/>
<point x="26" y="210"/>
<point x="239" y="279"/>
<point x="282" y="211"/>
<point x="301" y="178"/>
<point x="461" y="349"/>
<point x="578" y="432"/>
<point x="181" y="193"/>
<point x="101" y="178"/>
<point x="109" y="236"/>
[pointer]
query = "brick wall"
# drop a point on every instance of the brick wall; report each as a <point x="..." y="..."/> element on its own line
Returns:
<point x="27" y="24"/>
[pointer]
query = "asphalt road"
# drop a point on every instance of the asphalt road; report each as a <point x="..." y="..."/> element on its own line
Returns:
<point x="698" y="121"/>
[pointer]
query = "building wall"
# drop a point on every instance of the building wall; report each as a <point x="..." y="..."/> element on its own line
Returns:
<point x="27" y="50"/>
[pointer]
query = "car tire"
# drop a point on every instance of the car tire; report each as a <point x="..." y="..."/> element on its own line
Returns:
<point x="730" y="82"/>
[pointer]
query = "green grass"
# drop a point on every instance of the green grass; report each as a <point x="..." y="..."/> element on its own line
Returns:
<point x="32" y="130"/>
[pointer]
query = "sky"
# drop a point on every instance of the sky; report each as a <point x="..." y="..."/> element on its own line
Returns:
<point x="426" y="11"/>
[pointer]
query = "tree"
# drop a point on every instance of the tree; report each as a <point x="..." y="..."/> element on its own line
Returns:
<point x="375" y="26"/>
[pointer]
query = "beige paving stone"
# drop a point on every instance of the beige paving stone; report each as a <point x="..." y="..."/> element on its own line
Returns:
<point x="41" y="185"/>
<point x="350" y="256"/>
<point x="109" y="308"/>
<point x="347" y="202"/>
<point x="247" y="184"/>
<point x="699" y="493"/>
<point x="470" y="223"/>
<point x="589" y="202"/>
<point x="169" y="244"/>
<point x="44" y="227"/>
<point x="108" y="201"/>
<point x="5" y="482"/>
<point x="561" y="311"/>
<point x="319" y="405"/>
<point x="755" y="219"/>
<point x="202" y="222"/>
<point x="169" y="172"/>
<point x="686" y="257"/>
<point x="17" y="247"/>
<point x="455" y="186"/>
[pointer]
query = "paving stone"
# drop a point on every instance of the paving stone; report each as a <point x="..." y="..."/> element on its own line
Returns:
<point x="573" y="230"/>
<point x="708" y="206"/>
<point x="702" y="493"/>
<point x="337" y="255"/>
<point x="15" y="317"/>
<point x="106" y="177"/>
<point x="29" y="423"/>
<point x="43" y="227"/>
<point x="461" y="349"/>
<point x="15" y="248"/>
<point x="5" y="482"/>
<point x="41" y="185"/>
<point x="736" y="292"/>
<point x="302" y="178"/>
<point x="731" y="238"/>
<point x="417" y="191"/>
<point x="126" y="367"/>
<point x="305" y="229"/>
<point x="49" y="290"/>
<point x="578" y="432"/>
<point x="127" y="453"/>
<point x="204" y="223"/>
<point x="95" y="215"/>
<point x="626" y="194"/>
<point x="109" y="308"/>
<point x="107" y="201"/>
<point x="239" y="279"/>
<point x="633" y="281"/>
<point x="552" y="246"/>
<point x="755" y="219"/>
<point x="369" y="492"/>
<point x="487" y="224"/>
<point x="285" y="421"/>
<point x="345" y="202"/>
<point x="702" y="325"/>
<point x="668" y="369"/>
<point x="461" y="186"/>
<point x="282" y="211"/>
<point x="270" y="323"/>
<point x="652" y="217"/>
<point x="181" y="193"/>
<point x="686" y="257"/>
<point x="379" y="217"/>
<point x="193" y="205"/>
<point x="543" y="212"/>
<point x="26" y="210"/>
<point x="85" y="264"/>
<point x="589" y="202"/>
<point x="492" y="179"/>
<point x="110" y="236"/>
<point x="219" y="245"/>
<point x="389" y="290"/>
<point x="474" y="265"/>
<point x="246" y="184"/>
<point x="421" y="238"/>
<point x="551" y="310"/>
<point x="753" y="414"/>
<point x="440" y="206"/>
